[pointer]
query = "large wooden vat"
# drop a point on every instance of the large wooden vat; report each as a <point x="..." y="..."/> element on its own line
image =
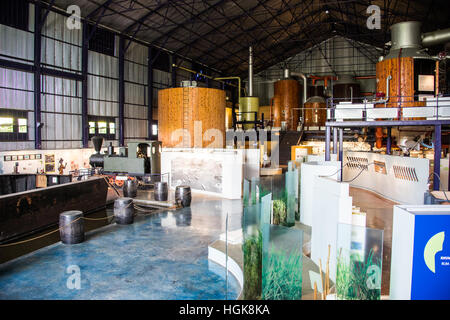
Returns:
<point x="288" y="93"/>
<point x="185" y="111"/>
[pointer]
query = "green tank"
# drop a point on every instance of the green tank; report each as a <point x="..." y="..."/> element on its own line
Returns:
<point x="248" y="104"/>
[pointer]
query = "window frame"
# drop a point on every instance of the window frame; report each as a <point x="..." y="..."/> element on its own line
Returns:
<point x="108" y="120"/>
<point x="14" y="136"/>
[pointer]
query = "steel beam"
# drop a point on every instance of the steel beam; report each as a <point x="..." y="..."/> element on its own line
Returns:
<point x="37" y="76"/>
<point x="121" y="90"/>
<point x="437" y="157"/>
<point x="341" y="151"/>
<point x="84" y="87"/>
<point x="385" y="123"/>
<point x="388" y="142"/>
<point x="327" y="143"/>
<point x="150" y="93"/>
<point x="335" y="138"/>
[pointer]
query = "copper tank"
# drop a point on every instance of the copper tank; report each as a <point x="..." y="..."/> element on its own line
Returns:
<point x="286" y="98"/>
<point x="315" y="112"/>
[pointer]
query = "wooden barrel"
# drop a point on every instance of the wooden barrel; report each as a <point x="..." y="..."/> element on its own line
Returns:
<point x="183" y="196"/>
<point x="161" y="191"/>
<point x="124" y="211"/>
<point x="182" y="110"/>
<point x="71" y="227"/>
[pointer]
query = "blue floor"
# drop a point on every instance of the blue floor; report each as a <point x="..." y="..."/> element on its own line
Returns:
<point x="164" y="256"/>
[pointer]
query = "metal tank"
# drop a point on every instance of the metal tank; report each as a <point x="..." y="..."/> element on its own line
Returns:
<point x="249" y="106"/>
<point x="315" y="113"/>
<point x="345" y="88"/>
<point x="286" y="102"/>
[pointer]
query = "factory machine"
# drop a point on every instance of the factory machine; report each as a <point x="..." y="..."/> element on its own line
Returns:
<point x="141" y="160"/>
<point x="407" y="87"/>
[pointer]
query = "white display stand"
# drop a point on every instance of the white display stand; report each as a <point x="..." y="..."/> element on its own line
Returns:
<point x="420" y="260"/>
<point x="404" y="179"/>
<point x="309" y="170"/>
<point x="216" y="172"/>
<point x="332" y="205"/>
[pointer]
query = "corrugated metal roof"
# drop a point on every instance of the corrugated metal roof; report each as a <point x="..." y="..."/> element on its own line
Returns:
<point x="218" y="33"/>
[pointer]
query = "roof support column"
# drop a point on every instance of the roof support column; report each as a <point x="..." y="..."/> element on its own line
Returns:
<point x="437" y="157"/>
<point x="150" y="94"/>
<point x="37" y="76"/>
<point x="121" y="89"/>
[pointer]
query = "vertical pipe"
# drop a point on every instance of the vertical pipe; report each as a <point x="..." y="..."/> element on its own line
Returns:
<point x="174" y="71"/>
<point x="437" y="157"/>
<point x="233" y="110"/>
<point x="37" y="76"/>
<point x="335" y="149"/>
<point x="327" y="143"/>
<point x="250" y="72"/>
<point x="121" y="89"/>
<point x="150" y="94"/>
<point x="388" y="142"/>
<point x="84" y="87"/>
<point x="341" y="151"/>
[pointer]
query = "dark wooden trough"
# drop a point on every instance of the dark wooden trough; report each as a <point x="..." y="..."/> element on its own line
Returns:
<point x="27" y="212"/>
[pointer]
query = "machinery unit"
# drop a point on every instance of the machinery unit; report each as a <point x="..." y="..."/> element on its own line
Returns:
<point x="249" y="106"/>
<point x="140" y="158"/>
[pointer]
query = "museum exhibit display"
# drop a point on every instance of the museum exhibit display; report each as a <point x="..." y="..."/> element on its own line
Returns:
<point x="224" y="150"/>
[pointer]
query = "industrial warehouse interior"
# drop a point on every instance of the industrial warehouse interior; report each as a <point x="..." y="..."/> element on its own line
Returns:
<point x="230" y="150"/>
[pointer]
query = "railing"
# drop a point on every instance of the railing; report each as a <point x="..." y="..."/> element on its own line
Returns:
<point x="395" y="108"/>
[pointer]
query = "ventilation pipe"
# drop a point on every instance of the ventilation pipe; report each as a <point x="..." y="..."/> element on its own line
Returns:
<point x="436" y="37"/>
<point x="305" y="84"/>
<point x="250" y="71"/>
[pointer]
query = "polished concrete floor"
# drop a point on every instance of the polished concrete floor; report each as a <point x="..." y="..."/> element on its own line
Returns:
<point x="160" y="256"/>
<point x="379" y="215"/>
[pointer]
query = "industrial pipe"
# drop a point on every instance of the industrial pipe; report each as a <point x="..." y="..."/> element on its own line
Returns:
<point x="250" y="71"/>
<point x="305" y="91"/>
<point x="209" y="77"/>
<point x="231" y="78"/>
<point x="435" y="37"/>
<point x="379" y="130"/>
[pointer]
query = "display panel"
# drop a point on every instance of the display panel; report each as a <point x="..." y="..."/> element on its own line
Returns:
<point x="282" y="263"/>
<point x="359" y="262"/>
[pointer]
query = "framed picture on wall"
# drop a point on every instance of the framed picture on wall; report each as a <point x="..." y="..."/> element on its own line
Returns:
<point x="26" y="157"/>
<point x="13" y="158"/>
<point x="20" y="157"/>
<point x="32" y="156"/>
<point x="7" y="158"/>
<point x="38" y="156"/>
<point x="49" y="158"/>
<point x="49" y="167"/>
